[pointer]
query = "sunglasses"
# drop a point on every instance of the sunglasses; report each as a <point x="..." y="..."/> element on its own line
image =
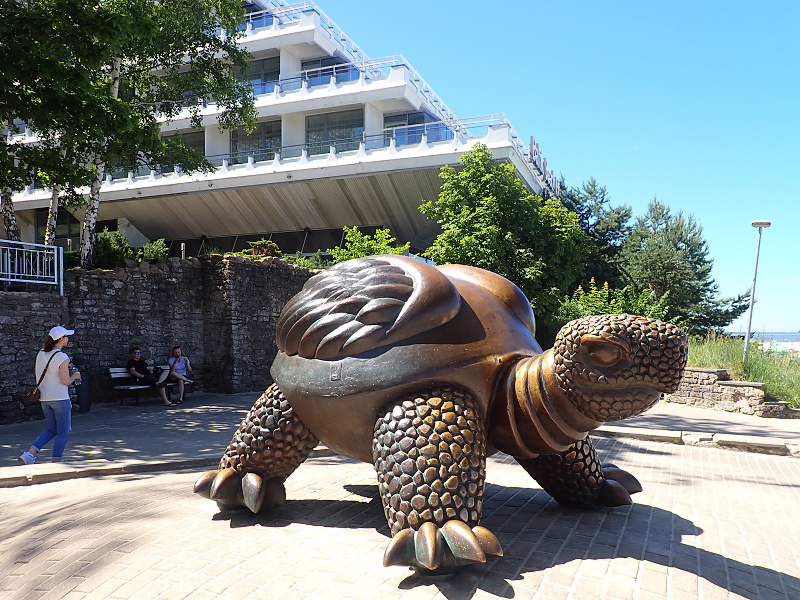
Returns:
<point x="137" y="352"/>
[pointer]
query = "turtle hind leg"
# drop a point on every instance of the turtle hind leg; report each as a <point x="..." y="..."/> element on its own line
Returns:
<point x="575" y="478"/>
<point x="429" y="451"/>
<point x="269" y="445"/>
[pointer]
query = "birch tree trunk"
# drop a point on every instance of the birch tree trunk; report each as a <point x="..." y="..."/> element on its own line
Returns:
<point x="9" y="214"/>
<point x="52" y="218"/>
<point x="88" y="231"/>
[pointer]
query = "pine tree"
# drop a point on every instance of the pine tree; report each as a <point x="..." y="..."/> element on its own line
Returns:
<point x="667" y="252"/>
<point x="606" y="226"/>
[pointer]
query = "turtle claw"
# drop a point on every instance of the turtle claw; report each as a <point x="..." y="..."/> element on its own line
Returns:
<point x="432" y="548"/>
<point x="625" y="479"/>
<point x="232" y="489"/>
<point x="617" y="487"/>
<point x="203" y="485"/>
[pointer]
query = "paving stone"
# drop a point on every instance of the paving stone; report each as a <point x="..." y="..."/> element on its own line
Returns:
<point x="710" y="524"/>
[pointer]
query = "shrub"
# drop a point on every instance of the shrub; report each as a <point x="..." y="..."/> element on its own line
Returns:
<point x="315" y="261"/>
<point x="154" y="251"/>
<point x="111" y="249"/>
<point x="262" y="247"/>
<point x="358" y="245"/>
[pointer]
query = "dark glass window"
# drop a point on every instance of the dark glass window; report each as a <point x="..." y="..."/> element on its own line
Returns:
<point x="318" y="71"/>
<point x="196" y="140"/>
<point x="68" y="228"/>
<point x="263" y="74"/>
<point x="342" y="130"/>
<point x="407" y="128"/>
<point x="262" y="144"/>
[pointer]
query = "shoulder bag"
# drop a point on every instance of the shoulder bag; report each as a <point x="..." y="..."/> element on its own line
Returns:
<point x="35" y="396"/>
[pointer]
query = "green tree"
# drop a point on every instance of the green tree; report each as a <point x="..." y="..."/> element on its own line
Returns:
<point x="101" y="76"/>
<point x="606" y="226"/>
<point x="358" y="245"/>
<point x="667" y="252"/>
<point x="490" y="220"/>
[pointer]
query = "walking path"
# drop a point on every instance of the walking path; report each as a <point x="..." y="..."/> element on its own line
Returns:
<point x="710" y="524"/>
<point x="113" y="439"/>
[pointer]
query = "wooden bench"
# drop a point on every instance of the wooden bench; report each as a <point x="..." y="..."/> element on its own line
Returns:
<point x="122" y="374"/>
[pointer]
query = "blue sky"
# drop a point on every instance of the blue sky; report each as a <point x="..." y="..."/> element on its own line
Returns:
<point x="695" y="103"/>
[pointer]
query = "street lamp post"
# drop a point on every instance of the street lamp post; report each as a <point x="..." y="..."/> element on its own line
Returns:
<point x="761" y="225"/>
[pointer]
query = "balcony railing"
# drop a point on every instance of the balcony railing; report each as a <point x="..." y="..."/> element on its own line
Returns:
<point x="284" y="14"/>
<point x="22" y="262"/>
<point x="437" y="132"/>
<point x="366" y="70"/>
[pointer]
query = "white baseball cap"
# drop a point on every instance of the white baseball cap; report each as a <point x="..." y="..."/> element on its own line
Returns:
<point x="58" y="332"/>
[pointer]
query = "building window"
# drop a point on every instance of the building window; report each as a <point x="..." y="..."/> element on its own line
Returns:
<point x="319" y="71"/>
<point x="407" y="128"/>
<point x="196" y="140"/>
<point x="264" y="74"/>
<point x="68" y="228"/>
<point x="262" y="144"/>
<point x="342" y="130"/>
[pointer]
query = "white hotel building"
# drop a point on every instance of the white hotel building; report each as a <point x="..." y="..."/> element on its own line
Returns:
<point x="342" y="139"/>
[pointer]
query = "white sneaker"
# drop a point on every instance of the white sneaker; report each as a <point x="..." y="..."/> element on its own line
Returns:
<point x="27" y="458"/>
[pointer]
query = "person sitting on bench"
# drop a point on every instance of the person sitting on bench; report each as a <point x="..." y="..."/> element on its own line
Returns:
<point x="143" y="373"/>
<point x="179" y="369"/>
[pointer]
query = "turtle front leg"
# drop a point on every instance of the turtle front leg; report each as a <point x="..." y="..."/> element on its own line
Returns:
<point x="575" y="478"/>
<point x="429" y="451"/>
<point x="269" y="445"/>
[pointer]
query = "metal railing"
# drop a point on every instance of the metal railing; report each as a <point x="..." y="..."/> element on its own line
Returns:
<point x="292" y="13"/>
<point x="474" y="128"/>
<point x="368" y="70"/>
<point x="23" y="262"/>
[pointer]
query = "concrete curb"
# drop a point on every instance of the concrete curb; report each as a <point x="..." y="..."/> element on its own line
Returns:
<point x="744" y="443"/>
<point x="50" y="472"/>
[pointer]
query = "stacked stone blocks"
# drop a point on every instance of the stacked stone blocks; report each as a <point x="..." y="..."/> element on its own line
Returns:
<point x="221" y="311"/>
<point x="713" y="388"/>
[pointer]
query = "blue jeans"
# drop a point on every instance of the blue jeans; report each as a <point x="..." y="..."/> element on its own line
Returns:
<point x="58" y="423"/>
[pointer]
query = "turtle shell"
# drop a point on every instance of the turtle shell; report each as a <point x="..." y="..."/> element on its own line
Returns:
<point x="371" y="330"/>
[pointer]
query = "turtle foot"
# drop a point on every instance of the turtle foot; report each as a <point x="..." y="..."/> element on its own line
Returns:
<point x="232" y="489"/>
<point x="618" y="486"/>
<point x="432" y="548"/>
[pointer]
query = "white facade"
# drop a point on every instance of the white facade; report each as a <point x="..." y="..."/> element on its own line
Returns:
<point x="342" y="140"/>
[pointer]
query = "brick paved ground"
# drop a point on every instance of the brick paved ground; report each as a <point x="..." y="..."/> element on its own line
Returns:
<point x="711" y="524"/>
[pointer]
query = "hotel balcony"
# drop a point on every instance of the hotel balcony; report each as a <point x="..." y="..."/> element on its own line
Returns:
<point x="376" y="177"/>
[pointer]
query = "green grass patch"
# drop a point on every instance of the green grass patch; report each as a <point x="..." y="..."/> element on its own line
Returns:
<point x="779" y="372"/>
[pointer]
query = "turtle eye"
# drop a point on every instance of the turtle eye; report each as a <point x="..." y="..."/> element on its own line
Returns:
<point x="606" y="354"/>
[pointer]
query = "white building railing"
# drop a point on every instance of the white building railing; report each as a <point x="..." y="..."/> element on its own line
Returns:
<point x="23" y="262"/>
<point x="282" y="14"/>
<point x="434" y="133"/>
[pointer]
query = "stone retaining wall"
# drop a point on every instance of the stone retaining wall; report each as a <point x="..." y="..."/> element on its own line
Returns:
<point x="222" y="312"/>
<point x="713" y="388"/>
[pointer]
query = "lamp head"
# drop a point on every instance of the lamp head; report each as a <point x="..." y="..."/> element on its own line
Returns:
<point x="761" y="223"/>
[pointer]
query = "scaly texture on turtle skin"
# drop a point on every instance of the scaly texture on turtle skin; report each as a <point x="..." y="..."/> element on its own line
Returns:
<point x="429" y="451"/>
<point x="270" y="443"/>
<point x="617" y="366"/>
<point x="425" y="371"/>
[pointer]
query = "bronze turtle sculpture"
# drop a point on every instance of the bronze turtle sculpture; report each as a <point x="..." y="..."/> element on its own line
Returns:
<point x="425" y="371"/>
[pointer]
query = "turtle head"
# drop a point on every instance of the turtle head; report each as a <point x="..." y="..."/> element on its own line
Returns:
<point x="617" y="366"/>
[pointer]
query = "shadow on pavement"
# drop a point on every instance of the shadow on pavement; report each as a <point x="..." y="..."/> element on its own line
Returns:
<point x="537" y="534"/>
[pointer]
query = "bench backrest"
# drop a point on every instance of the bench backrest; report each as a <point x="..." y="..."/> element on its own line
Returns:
<point x="120" y="372"/>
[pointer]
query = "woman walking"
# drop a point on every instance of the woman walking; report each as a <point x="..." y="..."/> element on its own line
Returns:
<point x="56" y="405"/>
